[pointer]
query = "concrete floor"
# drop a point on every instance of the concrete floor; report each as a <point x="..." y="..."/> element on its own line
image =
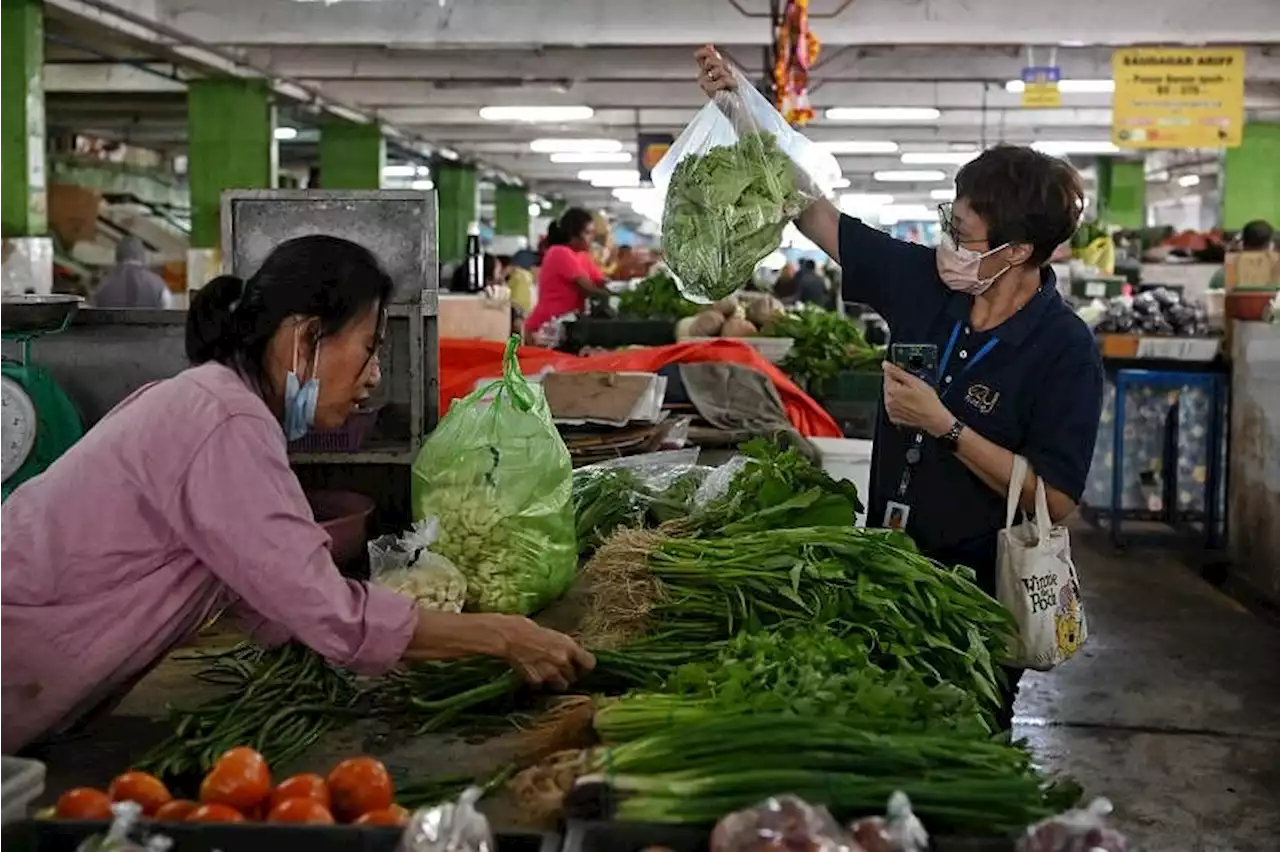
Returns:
<point x="1172" y="710"/>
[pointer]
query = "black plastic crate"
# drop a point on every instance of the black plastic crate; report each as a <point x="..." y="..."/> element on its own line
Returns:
<point x="67" y="835"/>
<point x="614" y="333"/>
<point x="855" y="419"/>
<point x="591" y="836"/>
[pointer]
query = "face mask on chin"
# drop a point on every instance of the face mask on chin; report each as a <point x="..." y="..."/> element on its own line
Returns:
<point x="300" y="398"/>
<point x="958" y="267"/>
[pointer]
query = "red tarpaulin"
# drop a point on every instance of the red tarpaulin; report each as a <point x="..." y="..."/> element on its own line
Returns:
<point x="465" y="362"/>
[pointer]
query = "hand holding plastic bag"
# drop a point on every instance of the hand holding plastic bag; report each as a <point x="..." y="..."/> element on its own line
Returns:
<point x="734" y="179"/>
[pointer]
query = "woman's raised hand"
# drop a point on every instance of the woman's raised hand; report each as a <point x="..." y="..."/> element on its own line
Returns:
<point x="714" y="74"/>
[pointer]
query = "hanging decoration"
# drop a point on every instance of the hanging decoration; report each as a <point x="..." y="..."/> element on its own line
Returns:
<point x="795" y="49"/>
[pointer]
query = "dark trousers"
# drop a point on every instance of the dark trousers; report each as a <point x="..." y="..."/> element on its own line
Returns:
<point x="1008" y="692"/>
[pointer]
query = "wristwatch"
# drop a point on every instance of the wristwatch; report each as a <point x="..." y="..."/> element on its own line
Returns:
<point x="951" y="438"/>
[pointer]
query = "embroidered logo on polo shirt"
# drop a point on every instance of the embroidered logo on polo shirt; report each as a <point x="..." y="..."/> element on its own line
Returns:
<point x="982" y="398"/>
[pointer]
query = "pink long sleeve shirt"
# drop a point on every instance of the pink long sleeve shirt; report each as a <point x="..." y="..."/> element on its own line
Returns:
<point x="178" y="505"/>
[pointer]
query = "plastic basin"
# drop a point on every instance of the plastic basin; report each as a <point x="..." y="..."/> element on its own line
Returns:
<point x="344" y="515"/>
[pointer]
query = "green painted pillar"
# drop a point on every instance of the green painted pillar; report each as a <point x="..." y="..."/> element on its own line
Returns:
<point x="1251" y="177"/>
<point x="351" y="155"/>
<point x="1102" y="185"/>
<point x="1122" y="192"/>
<point x="230" y="145"/>
<point x="458" y="197"/>
<point x="511" y="211"/>
<point x="23" y="208"/>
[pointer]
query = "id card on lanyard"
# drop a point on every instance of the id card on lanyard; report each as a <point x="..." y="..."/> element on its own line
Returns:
<point x="897" y="511"/>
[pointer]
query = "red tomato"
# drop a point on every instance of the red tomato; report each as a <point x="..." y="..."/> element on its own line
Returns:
<point x="141" y="787"/>
<point x="301" y="810"/>
<point x="175" y="811"/>
<point x="358" y="785"/>
<point x="394" y="815"/>
<point x="83" y="803"/>
<point x="215" y="813"/>
<point x="308" y="785"/>
<point x="240" y="779"/>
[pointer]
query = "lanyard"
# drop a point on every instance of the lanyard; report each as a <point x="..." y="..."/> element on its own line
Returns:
<point x="946" y="357"/>
<point x="913" y="452"/>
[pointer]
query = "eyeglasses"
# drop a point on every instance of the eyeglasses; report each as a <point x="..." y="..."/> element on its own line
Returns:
<point x="946" y="224"/>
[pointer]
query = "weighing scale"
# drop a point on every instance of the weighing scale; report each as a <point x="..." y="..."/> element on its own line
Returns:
<point x="39" y="420"/>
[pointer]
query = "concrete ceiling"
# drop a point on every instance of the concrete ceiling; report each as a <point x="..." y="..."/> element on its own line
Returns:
<point x="425" y="67"/>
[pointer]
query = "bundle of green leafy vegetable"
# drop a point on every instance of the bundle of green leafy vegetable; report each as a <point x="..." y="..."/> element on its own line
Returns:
<point x="697" y="771"/>
<point x="725" y="212"/>
<point x="826" y="344"/>
<point x="778" y="487"/>
<point x="869" y="587"/>
<point x="801" y="672"/>
<point x="657" y="297"/>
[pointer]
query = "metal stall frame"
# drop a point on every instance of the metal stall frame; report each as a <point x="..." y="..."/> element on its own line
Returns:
<point x="415" y="298"/>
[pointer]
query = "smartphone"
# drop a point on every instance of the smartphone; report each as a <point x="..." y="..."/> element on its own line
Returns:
<point x="919" y="359"/>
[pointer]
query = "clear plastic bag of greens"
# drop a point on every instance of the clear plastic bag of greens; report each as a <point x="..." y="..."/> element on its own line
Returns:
<point x="633" y="491"/>
<point x="497" y="476"/>
<point x="732" y="181"/>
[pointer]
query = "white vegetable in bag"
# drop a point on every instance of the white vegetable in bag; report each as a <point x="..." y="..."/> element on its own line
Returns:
<point x="408" y="566"/>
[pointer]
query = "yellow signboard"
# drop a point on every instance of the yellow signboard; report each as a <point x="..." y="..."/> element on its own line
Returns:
<point x="1040" y="87"/>
<point x="1178" y="97"/>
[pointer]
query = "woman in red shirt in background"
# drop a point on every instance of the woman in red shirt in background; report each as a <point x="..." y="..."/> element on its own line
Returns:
<point x="568" y="274"/>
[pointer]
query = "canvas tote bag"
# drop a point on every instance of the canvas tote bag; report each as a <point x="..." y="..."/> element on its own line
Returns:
<point x="1036" y="581"/>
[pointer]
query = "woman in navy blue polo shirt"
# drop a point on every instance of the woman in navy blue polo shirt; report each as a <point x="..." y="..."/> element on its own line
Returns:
<point x="1018" y="371"/>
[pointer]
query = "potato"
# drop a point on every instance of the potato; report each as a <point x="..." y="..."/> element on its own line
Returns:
<point x="707" y="324"/>
<point x="738" y="328"/>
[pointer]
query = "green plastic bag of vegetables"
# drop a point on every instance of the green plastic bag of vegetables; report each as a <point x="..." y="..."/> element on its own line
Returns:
<point x="498" y="477"/>
<point x="734" y="179"/>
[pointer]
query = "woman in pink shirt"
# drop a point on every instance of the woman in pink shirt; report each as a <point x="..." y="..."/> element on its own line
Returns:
<point x="568" y="275"/>
<point x="180" y="504"/>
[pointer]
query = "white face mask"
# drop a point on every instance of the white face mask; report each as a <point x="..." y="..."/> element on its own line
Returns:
<point x="958" y="267"/>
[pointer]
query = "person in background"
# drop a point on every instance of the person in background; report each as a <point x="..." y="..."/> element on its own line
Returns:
<point x="568" y="274"/>
<point x="130" y="284"/>
<point x="520" y="283"/>
<point x="180" y="504"/>
<point x="811" y="287"/>
<point x="459" y="281"/>
<point x="1018" y="372"/>
<point x="1254" y="236"/>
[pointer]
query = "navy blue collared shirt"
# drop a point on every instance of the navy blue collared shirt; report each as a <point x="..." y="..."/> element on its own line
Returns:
<point x="1037" y="391"/>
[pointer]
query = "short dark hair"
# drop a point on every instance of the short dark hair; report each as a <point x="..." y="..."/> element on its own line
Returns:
<point x="231" y="321"/>
<point x="570" y="225"/>
<point x="809" y="264"/>
<point x="1256" y="235"/>
<point x="1023" y="196"/>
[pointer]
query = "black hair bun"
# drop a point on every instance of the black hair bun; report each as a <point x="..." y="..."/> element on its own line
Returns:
<point x="211" y="327"/>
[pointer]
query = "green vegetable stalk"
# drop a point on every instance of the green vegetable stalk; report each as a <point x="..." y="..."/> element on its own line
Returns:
<point x="725" y="212"/>
<point x="697" y="771"/>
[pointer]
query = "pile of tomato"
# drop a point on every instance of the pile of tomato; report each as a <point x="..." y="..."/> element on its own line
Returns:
<point x="239" y="789"/>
